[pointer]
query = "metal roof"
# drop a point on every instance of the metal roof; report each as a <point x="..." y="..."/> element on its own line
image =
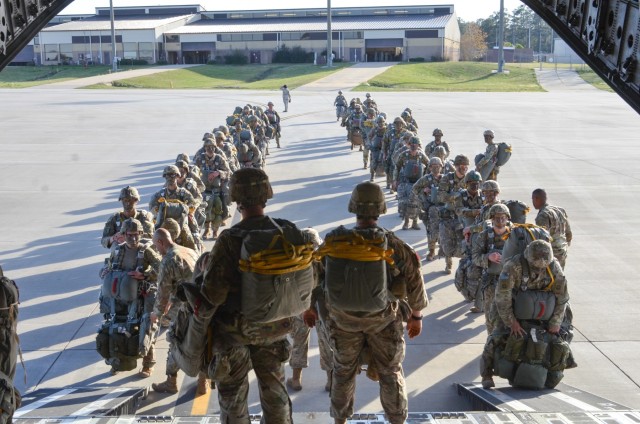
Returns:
<point x="355" y="23"/>
<point x="121" y="23"/>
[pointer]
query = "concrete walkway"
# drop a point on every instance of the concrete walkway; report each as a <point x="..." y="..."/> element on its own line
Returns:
<point x="348" y="78"/>
<point x="562" y="80"/>
<point x="108" y="78"/>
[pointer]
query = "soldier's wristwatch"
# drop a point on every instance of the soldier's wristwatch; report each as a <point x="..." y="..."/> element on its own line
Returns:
<point x="416" y="318"/>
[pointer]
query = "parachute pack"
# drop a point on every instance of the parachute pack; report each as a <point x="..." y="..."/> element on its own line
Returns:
<point x="276" y="273"/>
<point x="519" y="238"/>
<point x="356" y="271"/>
<point x="504" y="154"/>
<point x="171" y="208"/>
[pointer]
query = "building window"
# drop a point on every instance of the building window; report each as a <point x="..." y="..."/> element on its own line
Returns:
<point x="421" y="33"/>
<point x="173" y="38"/>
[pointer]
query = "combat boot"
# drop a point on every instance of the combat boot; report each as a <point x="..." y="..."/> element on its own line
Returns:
<point x="449" y="264"/>
<point x="371" y="179"/>
<point x="295" y="382"/>
<point x="327" y="386"/>
<point x="415" y="225"/>
<point x="204" y="385"/>
<point x="214" y="233"/>
<point x="406" y="224"/>
<point x="487" y="383"/>
<point x="278" y="143"/>
<point x="432" y="254"/>
<point x="207" y="231"/>
<point x="168" y="386"/>
<point x="145" y="372"/>
<point x="366" y="165"/>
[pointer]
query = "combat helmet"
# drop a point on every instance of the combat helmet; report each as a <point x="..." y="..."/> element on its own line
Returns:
<point x="129" y="191"/>
<point x="399" y="120"/>
<point x="437" y="131"/>
<point x="132" y="224"/>
<point x="491" y="185"/>
<point x="207" y="135"/>
<point x="209" y="142"/>
<point x="367" y="95"/>
<point x="539" y="254"/>
<point x="473" y="176"/>
<point x="218" y="134"/>
<point x="440" y="152"/>
<point x="252" y="119"/>
<point x="499" y="208"/>
<point x="435" y="161"/>
<point x="170" y="169"/>
<point x="414" y="140"/>
<point x="245" y="135"/>
<point x="339" y="91"/>
<point x="250" y="187"/>
<point x="367" y="199"/>
<point x="172" y="226"/>
<point x="184" y="157"/>
<point x="406" y="116"/>
<point x="182" y="165"/>
<point x="371" y="111"/>
<point x="489" y="133"/>
<point x="380" y="120"/>
<point x="461" y="160"/>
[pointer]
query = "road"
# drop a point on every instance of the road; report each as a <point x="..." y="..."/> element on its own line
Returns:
<point x="66" y="154"/>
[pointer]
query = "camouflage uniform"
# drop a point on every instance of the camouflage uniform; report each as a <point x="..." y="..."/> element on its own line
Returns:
<point x="249" y="155"/>
<point x="556" y="221"/>
<point x="450" y="227"/>
<point x="389" y="142"/>
<point x="216" y="209"/>
<point x="511" y="281"/>
<point x="468" y="274"/>
<point x="185" y="197"/>
<point x="409" y="168"/>
<point x="241" y="345"/>
<point x="486" y="242"/>
<point x="490" y="156"/>
<point x="431" y="147"/>
<point x="114" y="224"/>
<point x="367" y="127"/>
<point x="355" y="121"/>
<point x="383" y="334"/>
<point x="374" y="140"/>
<point x="176" y="267"/>
<point x="431" y="217"/>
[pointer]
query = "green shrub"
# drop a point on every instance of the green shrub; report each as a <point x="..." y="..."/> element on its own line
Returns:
<point x="416" y="59"/>
<point x="236" y="58"/>
<point x="294" y="55"/>
<point x="132" y="62"/>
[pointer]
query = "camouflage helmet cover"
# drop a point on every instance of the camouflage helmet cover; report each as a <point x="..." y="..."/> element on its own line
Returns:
<point x="435" y="161"/>
<point x="539" y="254"/>
<point x="170" y="169"/>
<point x="440" y="152"/>
<point x="491" y="185"/>
<point x="209" y="142"/>
<point x="489" y="133"/>
<point x="207" y="135"/>
<point x="182" y="164"/>
<point x="367" y="95"/>
<point x="129" y="191"/>
<point x="399" y="120"/>
<point x="461" y="160"/>
<point x="224" y="129"/>
<point x="367" y="199"/>
<point x="132" y="224"/>
<point x="218" y="134"/>
<point x="172" y="226"/>
<point x="184" y="157"/>
<point x="405" y="114"/>
<point x="499" y="208"/>
<point x="414" y="140"/>
<point x="339" y="91"/>
<point x="371" y="111"/>
<point x="249" y="187"/>
<point x="437" y="131"/>
<point x="380" y="120"/>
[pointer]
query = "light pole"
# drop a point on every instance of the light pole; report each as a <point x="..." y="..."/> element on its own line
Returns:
<point x="329" y="36"/>
<point x="501" y="38"/>
<point x="113" y="39"/>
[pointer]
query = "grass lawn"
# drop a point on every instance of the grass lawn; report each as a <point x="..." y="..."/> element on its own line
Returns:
<point x="453" y="76"/>
<point x="28" y="76"/>
<point x="257" y="77"/>
<point x="592" y="78"/>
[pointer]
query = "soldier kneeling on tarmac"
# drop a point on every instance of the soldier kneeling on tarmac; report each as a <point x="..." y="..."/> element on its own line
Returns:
<point x="529" y="347"/>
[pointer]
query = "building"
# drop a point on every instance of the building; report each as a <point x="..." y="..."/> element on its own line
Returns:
<point x="188" y="34"/>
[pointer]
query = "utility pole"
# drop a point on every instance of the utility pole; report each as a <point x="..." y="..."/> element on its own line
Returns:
<point x="501" y="39"/>
<point x="113" y="39"/>
<point x="329" y="36"/>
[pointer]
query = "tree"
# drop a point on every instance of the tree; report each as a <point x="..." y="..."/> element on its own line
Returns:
<point x="473" y="42"/>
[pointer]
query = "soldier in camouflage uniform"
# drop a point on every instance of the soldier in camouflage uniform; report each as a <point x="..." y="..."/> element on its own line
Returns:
<point x="411" y="120"/>
<point x="426" y="190"/>
<point x="341" y="104"/>
<point x="215" y="173"/>
<point x="369" y="103"/>
<point x="544" y="272"/>
<point x="468" y="275"/>
<point x="192" y="186"/>
<point x="194" y="171"/>
<point x="490" y="156"/>
<point x="240" y="344"/>
<point x="355" y="123"/>
<point x="177" y="267"/>
<point x="556" y="221"/>
<point x="274" y="120"/>
<point x="409" y="168"/>
<point x="431" y="147"/>
<point x="228" y="149"/>
<point x="142" y="262"/>
<point x="180" y="237"/>
<point x="486" y="252"/>
<point x="172" y="194"/>
<point x="450" y="226"/>
<point x="447" y="164"/>
<point x="249" y="155"/>
<point x="374" y="140"/>
<point x="406" y="117"/>
<point x="112" y="229"/>
<point x="382" y="332"/>
<point x="368" y="127"/>
<point x="391" y="138"/>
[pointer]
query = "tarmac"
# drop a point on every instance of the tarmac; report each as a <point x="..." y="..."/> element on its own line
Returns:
<point x="65" y="155"/>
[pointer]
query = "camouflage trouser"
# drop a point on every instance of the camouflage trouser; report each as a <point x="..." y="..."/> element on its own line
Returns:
<point x="491" y="316"/>
<point x="231" y="378"/>
<point x="467" y="281"/>
<point x="299" y="353"/>
<point x="433" y="225"/>
<point x="387" y="353"/>
<point x="365" y="154"/>
<point x="149" y="360"/>
<point x="495" y="339"/>
<point x="561" y="255"/>
<point x="404" y="194"/>
<point x="450" y="233"/>
<point x="376" y="161"/>
<point x="388" y="168"/>
<point x="216" y="209"/>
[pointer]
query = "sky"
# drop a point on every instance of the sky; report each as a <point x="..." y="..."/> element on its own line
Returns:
<point x="468" y="10"/>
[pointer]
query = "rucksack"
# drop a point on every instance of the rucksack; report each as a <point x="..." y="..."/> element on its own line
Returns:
<point x="519" y="238"/>
<point x="356" y="268"/>
<point x="171" y="208"/>
<point x="504" y="154"/>
<point x="413" y="169"/>
<point x="276" y="273"/>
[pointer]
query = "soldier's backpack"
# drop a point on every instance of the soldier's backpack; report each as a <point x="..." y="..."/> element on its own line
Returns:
<point x="356" y="269"/>
<point x="171" y="208"/>
<point x="518" y="211"/>
<point x="504" y="154"/>
<point x="519" y="238"/>
<point x="413" y="169"/>
<point x="276" y="273"/>
<point x="9" y="395"/>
